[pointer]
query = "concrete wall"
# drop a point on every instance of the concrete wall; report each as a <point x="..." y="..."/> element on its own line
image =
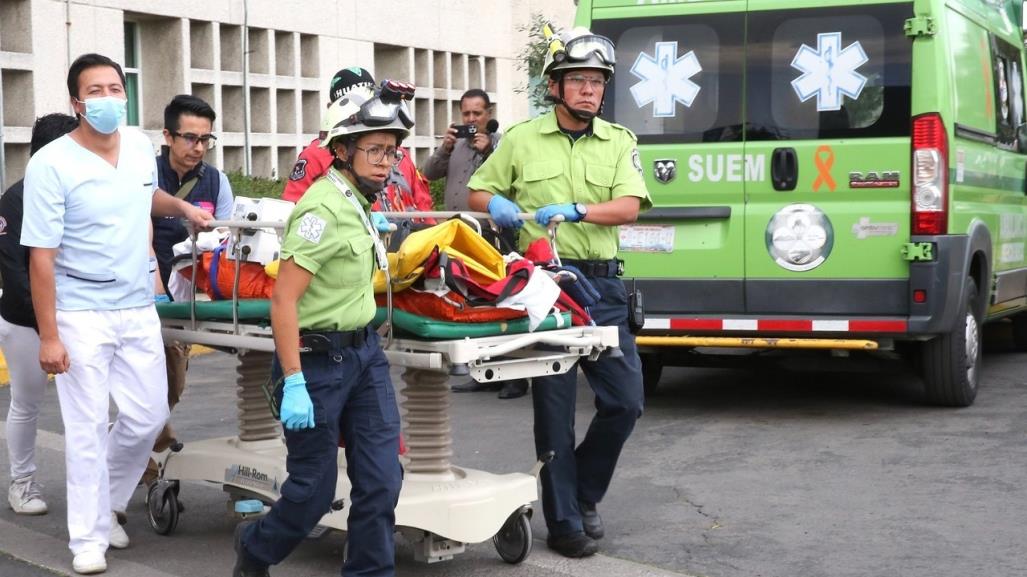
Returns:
<point x="196" y="46"/>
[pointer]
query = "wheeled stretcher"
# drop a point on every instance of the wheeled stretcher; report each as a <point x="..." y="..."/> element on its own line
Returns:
<point x="442" y="507"/>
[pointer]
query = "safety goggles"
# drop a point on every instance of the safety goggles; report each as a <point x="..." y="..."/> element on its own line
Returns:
<point x="387" y="105"/>
<point x="582" y="47"/>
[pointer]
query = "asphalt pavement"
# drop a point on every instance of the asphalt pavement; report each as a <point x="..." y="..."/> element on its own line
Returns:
<point x="824" y="468"/>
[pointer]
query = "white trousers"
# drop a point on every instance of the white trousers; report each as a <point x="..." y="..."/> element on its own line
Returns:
<point x="114" y="354"/>
<point x="20" y="346"/>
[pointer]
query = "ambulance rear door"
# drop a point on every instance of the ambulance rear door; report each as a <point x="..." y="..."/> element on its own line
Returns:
<point x="828" y="115"/>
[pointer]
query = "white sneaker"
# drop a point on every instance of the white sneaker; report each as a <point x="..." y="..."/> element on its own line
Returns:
<point x="25" y="497"/>
<point x="118" y="538"/>
<point x="89" y="562"/>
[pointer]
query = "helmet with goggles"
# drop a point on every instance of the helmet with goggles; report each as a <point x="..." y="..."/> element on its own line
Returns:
<point x="577" y="49"/>
<point x="365" y="110"/>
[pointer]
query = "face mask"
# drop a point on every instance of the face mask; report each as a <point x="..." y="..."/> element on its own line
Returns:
<point x="105" y="113"/>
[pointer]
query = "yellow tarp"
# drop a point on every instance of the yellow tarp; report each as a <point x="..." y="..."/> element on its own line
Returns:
<point x="453" y="237"/>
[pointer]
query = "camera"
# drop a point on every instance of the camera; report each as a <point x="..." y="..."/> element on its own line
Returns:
<point x="465" y="130"/>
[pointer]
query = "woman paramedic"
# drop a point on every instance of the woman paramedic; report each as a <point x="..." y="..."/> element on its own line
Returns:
<point x="336" y="376"/>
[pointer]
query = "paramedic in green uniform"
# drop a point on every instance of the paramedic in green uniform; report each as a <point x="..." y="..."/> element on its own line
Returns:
<point x="336" y="376"/>
<point x="571" y="163"/>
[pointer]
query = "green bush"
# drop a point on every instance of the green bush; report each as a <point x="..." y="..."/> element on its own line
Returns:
<point x="438" y="193"/>
<point x="255" y="187"/>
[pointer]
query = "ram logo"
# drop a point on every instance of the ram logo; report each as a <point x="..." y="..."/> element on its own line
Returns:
<point x="886" y="179"/>
<point x="665" y="170"/>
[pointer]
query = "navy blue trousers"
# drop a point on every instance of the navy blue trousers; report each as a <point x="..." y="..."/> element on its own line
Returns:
<point x="583" y="473"/>
<point x="352" y="393"/>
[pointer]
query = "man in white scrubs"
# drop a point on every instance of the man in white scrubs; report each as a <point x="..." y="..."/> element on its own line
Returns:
<point x="89" y="196"/>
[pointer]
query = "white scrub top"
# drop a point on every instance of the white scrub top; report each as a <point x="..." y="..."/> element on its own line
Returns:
<point x="99" y="218"/>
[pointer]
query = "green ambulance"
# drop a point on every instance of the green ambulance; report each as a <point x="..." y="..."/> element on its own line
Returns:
<point x="825" y="174"/>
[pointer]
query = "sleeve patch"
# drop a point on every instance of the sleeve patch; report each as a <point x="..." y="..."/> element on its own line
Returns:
<point x="310" y="228"/>
<point x="299" y="170"/>
<point x="637" y="161"/>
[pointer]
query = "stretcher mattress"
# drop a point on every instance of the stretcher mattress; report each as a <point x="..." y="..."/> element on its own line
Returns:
<point x="257" y="311"/>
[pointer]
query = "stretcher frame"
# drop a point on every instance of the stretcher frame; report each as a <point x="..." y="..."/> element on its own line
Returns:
<point x="442" y="507"/>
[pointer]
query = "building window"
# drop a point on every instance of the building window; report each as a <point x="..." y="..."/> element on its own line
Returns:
<point x="131" y="69"/>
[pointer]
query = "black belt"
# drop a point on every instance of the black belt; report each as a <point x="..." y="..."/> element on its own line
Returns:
<point x="315" y="342"/>
<point x="597" y="268"/>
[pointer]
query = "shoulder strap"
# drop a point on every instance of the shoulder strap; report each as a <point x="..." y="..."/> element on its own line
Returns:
<point x="380" y="256"/>
<point x="187" y="187"/>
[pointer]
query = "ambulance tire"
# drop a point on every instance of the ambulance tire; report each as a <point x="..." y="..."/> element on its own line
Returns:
<point x="951" y="363"/>
<point x="1020" y="332"/>
<point x="652" y="369"/>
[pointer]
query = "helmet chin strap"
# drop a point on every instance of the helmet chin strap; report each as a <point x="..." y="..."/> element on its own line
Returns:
<point x="367" y="186"/>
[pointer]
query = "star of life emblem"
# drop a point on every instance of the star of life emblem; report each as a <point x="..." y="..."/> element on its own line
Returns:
<point x="829" y="72"/>
<point x="311" y="227"/>
<point x="665" y="79"/>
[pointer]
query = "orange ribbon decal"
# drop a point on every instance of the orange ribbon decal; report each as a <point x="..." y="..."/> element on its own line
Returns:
<point x="824" y="161"/>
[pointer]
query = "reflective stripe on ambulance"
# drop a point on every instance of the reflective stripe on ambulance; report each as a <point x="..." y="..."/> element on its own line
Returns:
<point x="777" y="325"/>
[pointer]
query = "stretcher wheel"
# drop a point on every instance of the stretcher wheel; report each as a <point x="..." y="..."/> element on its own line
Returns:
<point x="513" y="541"/>
<point x="162" y="507"/>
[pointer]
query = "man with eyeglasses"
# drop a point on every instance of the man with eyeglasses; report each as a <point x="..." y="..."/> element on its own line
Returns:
<point x="182" y="172"/>
<point x="573" y="164"/>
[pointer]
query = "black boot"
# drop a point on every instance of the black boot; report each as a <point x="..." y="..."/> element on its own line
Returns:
<point x="575" y="545"/>
<point x="591" y="520"/>
<point x="245" y="565"/>
<point x="514" y="389"/>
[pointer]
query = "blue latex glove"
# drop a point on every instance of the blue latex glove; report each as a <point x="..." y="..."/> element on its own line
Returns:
<point x="546" y="213"/>
<point x="504" y="212"/>
<point x="161" y="298"/>
<point x="296" y="412"/>
<point x="380" y="222"/>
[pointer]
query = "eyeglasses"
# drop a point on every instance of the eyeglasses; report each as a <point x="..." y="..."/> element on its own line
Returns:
<point x="579" y="82"/>
<point x="376" y="154"/>
<point x="208" y="140"/>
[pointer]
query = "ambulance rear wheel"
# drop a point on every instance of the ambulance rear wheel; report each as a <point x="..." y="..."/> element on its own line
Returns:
<point x="513" y="541"/>
<point x="1020" y="332"/>
<point x="951" y="362"/>
<point x="652" y="370"/>
<point x="162" y="508"/>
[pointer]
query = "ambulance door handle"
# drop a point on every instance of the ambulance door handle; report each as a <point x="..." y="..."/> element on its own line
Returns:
<point x="784" y="169"/>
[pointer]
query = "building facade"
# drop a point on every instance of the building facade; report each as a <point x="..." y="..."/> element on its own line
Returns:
<point x="264" y="64"/>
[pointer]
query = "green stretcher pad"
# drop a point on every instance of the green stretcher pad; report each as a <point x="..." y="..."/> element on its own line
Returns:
<point x="257" y="311"/>
<point x="254" y="311"/>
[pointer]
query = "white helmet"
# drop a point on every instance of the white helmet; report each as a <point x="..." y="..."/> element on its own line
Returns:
<point x="578" y="48"/>
<point x="365" y="110"/>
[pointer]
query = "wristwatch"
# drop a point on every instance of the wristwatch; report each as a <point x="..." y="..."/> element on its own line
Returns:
<point x="581" y="209"/>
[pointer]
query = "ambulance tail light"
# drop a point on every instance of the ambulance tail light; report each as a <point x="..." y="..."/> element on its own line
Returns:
<point x="930" y="176"/>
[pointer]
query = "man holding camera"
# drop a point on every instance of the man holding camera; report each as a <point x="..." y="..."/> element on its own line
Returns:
<point x="464" y="148"/>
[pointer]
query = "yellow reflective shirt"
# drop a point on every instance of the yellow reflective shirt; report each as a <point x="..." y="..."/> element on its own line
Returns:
<point x="536" y="164"/>
<point x="326" y="236"/>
